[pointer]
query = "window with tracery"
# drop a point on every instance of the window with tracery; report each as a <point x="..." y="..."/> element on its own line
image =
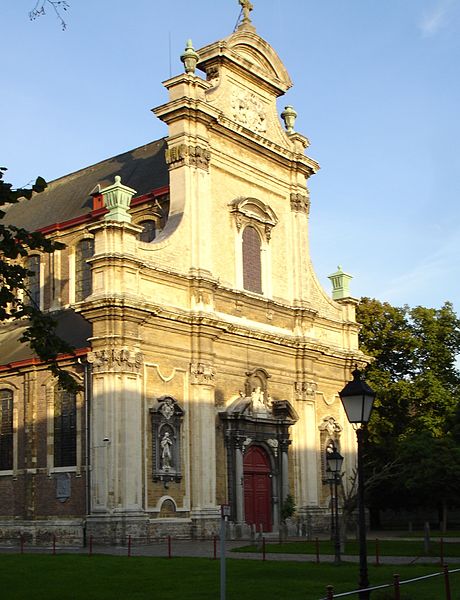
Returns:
<point x="65" y="428"/>
<point x="83" y="278"/>
<point x="252" y="264"/>
<point x="6" y="430"/>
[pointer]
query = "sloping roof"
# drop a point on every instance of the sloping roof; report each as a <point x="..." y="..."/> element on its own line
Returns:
<point x="71" y="327"/>
<point x="143" y="169"/>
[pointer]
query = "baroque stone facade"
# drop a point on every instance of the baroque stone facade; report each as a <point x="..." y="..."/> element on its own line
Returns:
<point x="209" y="355"/>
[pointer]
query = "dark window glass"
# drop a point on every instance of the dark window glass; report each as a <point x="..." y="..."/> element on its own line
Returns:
<point x="6" y="430"/>
<point x="83" y="280"/>
<point x="149" y="231"/>
<point x="65" y="429"/>
<point x="32" y="295"/>
<point x="252" y="267"/>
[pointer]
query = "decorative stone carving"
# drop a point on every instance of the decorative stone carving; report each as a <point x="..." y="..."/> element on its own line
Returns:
<point x="248" y="110"/>
<point x="189" y="58"/>
<point x="305" y="389"/>
<point x="212" y="75"/>
<point x="246" y="443"/>
<point x="167" y="418"/>
<point x="116" y="359"/>
<point x="300" y="203"/>
<point x="117" y="199"/>
<point x="252" y="211"/>
<point x="330" y="426"/>
<point x="289" y="116"/>
<point x="196" y="156"/>
<point x="202" y="373"/>
<point x="167" y="408"/>
<point x="273" y="445"/>
<point x="259" y="403"/>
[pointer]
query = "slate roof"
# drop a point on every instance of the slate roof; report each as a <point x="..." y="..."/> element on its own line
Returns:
<point x="71" y="327"/>
<point x="143" y="169"/>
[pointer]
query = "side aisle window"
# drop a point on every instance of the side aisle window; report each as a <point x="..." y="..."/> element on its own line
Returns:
<point x="33" y="286"/>
<point x="65" y="429"/>
<point x="6" y="430"/>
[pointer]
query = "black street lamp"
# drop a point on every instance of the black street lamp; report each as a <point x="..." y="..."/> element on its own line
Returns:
<point x="334" y="462"/>
<point x="357" y="399"/>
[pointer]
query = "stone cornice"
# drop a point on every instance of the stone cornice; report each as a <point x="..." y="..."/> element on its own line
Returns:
<point x="255" y="141"/>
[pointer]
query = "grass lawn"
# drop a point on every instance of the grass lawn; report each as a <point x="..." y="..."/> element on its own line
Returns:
<point x="75" y="577"/>
<point x="386" y="548"/>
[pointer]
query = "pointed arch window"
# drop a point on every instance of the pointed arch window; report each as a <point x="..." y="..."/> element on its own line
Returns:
<point x="83" y="280"/>
<point x="65" y="428"/>
<point x="6" y="430"/>
<point x="252" y="263"/>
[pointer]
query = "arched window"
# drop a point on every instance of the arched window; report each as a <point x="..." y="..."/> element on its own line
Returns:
<point x="65" y="428"/>
<point x="149" y="231"/>
<point x="33" y="281"/>
<point x="83" y="281"/>
<point x="252" y="265"/>
<point x="6" y="430"/>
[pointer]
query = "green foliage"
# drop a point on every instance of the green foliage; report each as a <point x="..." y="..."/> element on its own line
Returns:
<point x="288" y="508"/>
<point x="415" y="424"/>
<point x="15" y="245"/>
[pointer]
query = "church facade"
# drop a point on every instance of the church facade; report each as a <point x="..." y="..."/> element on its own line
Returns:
<point x="209" y="356"/>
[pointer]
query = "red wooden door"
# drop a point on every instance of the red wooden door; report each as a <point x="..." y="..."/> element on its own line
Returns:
<point x="257" y="488"/>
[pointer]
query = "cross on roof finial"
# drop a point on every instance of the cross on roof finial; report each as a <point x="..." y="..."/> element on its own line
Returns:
<point x="246" y="7"/>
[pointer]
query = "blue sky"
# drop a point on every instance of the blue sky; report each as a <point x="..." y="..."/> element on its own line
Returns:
<point x="376" y="88"/>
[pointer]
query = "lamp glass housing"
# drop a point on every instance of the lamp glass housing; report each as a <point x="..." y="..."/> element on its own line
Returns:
<point x="357" y="399"/>
<point x="334" y="462"/>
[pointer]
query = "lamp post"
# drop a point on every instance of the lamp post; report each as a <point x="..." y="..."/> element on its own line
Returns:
<point x="357" y="399"/>
<point x="334" y="465"/>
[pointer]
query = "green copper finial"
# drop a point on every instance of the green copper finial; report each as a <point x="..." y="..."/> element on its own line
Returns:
<point x="289" y="116"/>
<point x="117" y="198"/>
<point x="340" y="284"/>
<point x="189" y="58"/>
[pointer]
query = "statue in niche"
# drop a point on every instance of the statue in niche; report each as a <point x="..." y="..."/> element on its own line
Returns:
<point x="166" y="444"/>
<point x="258" y="400"/>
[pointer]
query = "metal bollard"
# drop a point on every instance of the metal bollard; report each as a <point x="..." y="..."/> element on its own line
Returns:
<point x="317" y="550"/>
<point x="90" y="549"/>
<point x="263" y="548"/>
<point x="397" y="587"/>
<point x="54" y="545"/>
<point x="129" y="545"/>
<point x="441" y="551"/>
<point x="22" y="543"/>
<point x="447" y="583"/>
<point x="169" y="547"/>
<point x="377" y="553"/>
<point x="329" y="592"/>
<point x="215" y="547"/>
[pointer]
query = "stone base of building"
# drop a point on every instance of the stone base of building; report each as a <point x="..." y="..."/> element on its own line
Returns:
<point x="42" y="532"/>
<point x="115" y="530"/>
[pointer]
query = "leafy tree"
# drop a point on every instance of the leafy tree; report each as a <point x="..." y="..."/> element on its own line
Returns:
<point x="58" y="7"/>
<point x="15" y="245"/>
<point x="416" y="415"/>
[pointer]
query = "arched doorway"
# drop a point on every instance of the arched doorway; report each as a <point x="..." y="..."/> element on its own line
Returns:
<point x="257" y="488"/>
